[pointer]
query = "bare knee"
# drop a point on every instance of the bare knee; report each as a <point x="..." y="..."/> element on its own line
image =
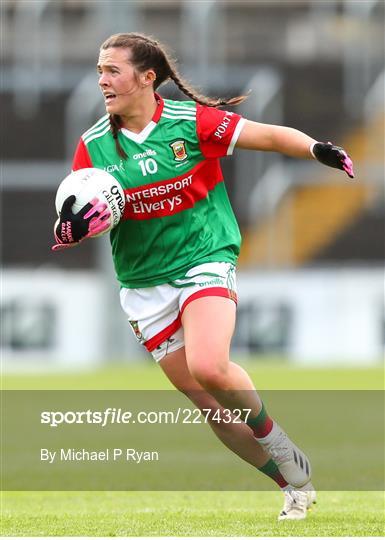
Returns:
<point x="210" y="375"/>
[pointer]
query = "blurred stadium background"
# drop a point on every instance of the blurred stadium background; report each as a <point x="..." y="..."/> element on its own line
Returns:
<point x="312" y="265"/>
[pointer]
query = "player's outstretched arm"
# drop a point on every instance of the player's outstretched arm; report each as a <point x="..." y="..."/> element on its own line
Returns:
<point x="294" y="143"/>
<point x="70" y="229"/>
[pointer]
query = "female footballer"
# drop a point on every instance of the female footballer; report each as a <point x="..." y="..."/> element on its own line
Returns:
<point x="176" y="247"/>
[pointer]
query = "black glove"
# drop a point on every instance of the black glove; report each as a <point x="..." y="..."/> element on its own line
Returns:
<point x="71" y="228"/>
<point x="333" y="156"/>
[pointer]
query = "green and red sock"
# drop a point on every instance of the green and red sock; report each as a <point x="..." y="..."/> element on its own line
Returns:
<point x="261" y="424"/>
<point x="270" y="469"/>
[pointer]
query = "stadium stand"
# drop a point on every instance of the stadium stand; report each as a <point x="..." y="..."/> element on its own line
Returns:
<point x="316" y="217"/>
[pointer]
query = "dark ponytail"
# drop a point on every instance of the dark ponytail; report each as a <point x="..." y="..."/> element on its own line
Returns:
<point x="147" y="53"/>
<point x="200" y="98"/>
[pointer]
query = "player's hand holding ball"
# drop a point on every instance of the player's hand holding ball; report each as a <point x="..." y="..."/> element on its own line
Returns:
<point x="89" y="203"/>
<point x="93" y="219"/>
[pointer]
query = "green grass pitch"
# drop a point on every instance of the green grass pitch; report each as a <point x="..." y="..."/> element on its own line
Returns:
<point x="31" y="513"/>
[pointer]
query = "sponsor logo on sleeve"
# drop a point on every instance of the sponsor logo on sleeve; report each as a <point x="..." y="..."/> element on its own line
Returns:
<point x="222" y="128"/>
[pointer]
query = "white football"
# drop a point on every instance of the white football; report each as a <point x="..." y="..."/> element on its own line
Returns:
<point x="86" y="184"/>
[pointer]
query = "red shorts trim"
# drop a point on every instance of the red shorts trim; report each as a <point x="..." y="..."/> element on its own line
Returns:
<point x="211" y="291"/>
<point x="164" y="334"/>
<point x="167" y="332"/>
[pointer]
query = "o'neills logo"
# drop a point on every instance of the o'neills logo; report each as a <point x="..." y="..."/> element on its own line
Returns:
<point x="179" y="150"/>
<point x="168" y="197"/>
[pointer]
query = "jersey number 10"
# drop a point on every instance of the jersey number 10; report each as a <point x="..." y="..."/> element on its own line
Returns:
<point x="148" y="166"/>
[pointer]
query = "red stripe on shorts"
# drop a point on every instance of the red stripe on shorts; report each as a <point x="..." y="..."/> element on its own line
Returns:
<point x="210" y="291"/>
<point x="164" y="334"/>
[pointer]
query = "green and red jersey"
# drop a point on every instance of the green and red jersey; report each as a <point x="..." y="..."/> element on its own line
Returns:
<point x="177" y="212"/>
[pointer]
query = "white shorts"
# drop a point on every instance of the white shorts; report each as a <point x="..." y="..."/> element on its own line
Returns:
<point x="155" y="313"/>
